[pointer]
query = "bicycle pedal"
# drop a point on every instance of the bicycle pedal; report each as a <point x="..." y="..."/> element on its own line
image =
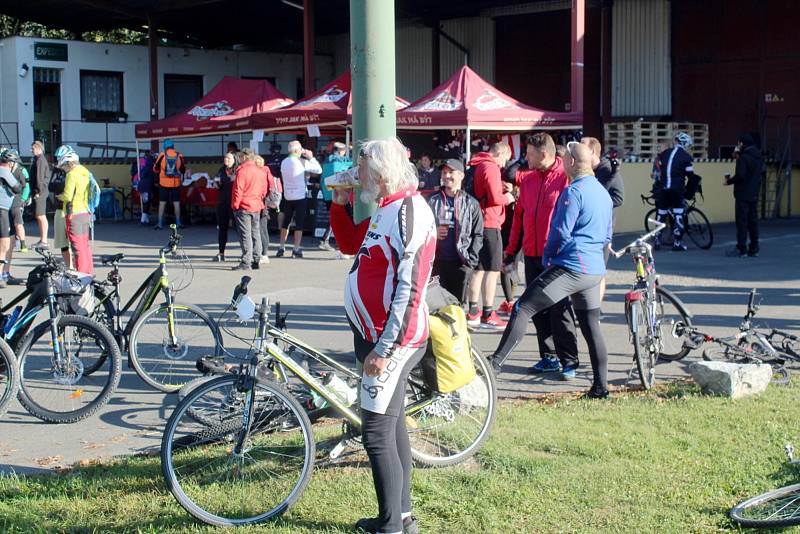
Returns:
<point x="338" y="450"/>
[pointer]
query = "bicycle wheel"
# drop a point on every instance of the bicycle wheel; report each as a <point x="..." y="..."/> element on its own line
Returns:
<point x="669" y="311"/>
<point x="447" y="428"/>
<point x="699" y="229"/>
<point x="776" y="508"/>
<point x="9" y="376"/>
<point x="162" y="364"/>
<point x="643" y="345"/>
<point x="223" y="487"/>
<point x="648" y="226"/>
<point x="61" y="392"/>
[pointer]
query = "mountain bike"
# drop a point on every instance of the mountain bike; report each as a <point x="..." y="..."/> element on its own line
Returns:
<point x="9" y="376"/>
<point x="696" y="225"/>
<point x="163" y="342"/>
<point x="53" y="356"/>
<point x="239" y="448"/>
<point x="651" y="311"/>
<point x="775" y="508"/>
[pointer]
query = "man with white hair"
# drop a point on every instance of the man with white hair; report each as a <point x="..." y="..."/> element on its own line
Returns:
<point x="293" y="173"/>
<point x="385" y="304"/>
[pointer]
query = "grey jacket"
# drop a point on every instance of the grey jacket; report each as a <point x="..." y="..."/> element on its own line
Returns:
<point x="468" y="225"/>
<point x="7" y="181"/>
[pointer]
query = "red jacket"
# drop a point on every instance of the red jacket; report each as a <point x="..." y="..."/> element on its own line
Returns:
<point x="249" y="188"/>
<point x="488" y="187"/>
<point x="538" y="194"/>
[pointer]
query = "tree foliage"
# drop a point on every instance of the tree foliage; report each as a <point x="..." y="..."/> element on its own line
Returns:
<point x="11" y="26"/>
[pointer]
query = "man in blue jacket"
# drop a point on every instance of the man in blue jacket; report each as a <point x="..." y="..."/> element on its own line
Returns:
<point x="574" y="265"/>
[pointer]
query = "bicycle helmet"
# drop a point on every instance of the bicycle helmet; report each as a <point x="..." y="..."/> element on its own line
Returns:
<point x="683" y="139"/>
<point x="10" y="155"/>
<point x="66" y="154"/>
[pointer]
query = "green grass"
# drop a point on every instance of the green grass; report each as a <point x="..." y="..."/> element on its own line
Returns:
<point x="670" y="461"/>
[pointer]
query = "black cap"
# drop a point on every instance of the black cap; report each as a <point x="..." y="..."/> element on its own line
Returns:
<point x="454" y="164"/>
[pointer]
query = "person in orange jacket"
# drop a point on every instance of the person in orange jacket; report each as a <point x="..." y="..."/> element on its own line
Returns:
<point x="249" y="190"/>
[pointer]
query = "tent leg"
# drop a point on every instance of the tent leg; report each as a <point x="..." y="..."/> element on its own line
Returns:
<point x="347" y="141"/>
<point x="468" y="147"/>
<point x="138" y="179"/>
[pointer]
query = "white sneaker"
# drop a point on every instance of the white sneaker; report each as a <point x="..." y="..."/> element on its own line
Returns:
<point x="340" y="256"/>
<point x="264" y="260"/>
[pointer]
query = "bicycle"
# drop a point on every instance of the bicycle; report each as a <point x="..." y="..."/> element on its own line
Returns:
<point x="731" y="349"/>
<point x="53" y="356"/>
<point x="159" y="340"/>
<point x="696" y="224"/>
<point x="239" y="448"/>
<point x="651" y="311"/>
<point x="9" y="376"/>
<point x="775" y="508"/>
<point x="770" y="344"/>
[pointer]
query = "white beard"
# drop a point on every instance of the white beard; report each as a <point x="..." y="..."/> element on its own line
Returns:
<point x="370" y="193"/>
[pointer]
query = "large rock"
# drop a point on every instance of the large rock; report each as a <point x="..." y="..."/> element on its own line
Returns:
<point x="731" y="379"/>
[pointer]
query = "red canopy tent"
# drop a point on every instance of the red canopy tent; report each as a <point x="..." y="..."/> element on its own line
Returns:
<point x="329" y="106"/>
<point x="225" y="109"/>
<point x="468" y="102"/>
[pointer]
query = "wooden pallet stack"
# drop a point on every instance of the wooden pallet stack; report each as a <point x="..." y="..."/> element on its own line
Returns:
<point x="645" y="139"/>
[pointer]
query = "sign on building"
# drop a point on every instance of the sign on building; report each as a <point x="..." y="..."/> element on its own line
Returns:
<point x="50" y="51"/>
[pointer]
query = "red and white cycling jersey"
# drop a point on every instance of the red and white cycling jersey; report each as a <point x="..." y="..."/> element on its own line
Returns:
<point x="386" y="287"/>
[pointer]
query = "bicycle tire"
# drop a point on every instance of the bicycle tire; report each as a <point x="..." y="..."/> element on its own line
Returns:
<point x="663" y="294"/>
<point x="465" y="402"/>
<point x="197" y="440"/>
<point x="775" y="508"/>
<point x="9" y="376"/>
<point x="645" y="361"/>
<point x="35" y="367"/>
<point x="699" y="228"/>
<point x="175" y="374"/>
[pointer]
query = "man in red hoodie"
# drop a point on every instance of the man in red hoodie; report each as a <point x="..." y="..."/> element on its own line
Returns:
<point x="247" y="202"/>
<point x="540" y="186"/>
<point x="493" y="197"/>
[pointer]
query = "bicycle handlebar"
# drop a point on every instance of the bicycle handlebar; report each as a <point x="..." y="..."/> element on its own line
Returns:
<point x="641" y="239"/>
<point x="241" y="289"/>
<point x="648" y="200"/>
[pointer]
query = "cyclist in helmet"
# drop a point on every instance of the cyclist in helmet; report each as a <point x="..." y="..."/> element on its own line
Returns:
<point x="674" y="165"/>
<point x="9" y="186"/>
<point x="14" y="162"/>
<point x="73" y="220"/>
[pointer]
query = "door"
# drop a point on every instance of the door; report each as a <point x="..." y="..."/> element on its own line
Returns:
<point x="47" y="107"/>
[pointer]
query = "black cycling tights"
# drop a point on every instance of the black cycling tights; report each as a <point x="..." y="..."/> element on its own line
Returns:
<point x="508" y="286"/>
<point x="386" y="442"/>
<point x="589" y="321"/>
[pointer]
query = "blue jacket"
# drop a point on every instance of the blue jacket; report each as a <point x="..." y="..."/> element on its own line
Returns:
<point x="580" y="228"/>
<point x="7" y="183"/>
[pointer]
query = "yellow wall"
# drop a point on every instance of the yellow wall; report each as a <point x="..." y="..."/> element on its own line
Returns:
<point x="717" y="205"/>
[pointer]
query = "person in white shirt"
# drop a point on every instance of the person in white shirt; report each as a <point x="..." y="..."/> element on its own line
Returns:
<point x="293" y="173"/>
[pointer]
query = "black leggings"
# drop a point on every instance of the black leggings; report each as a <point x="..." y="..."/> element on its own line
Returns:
<point x="386" y="441"/>
<point x="589" y="321"/>
<point x="223" y="224"/>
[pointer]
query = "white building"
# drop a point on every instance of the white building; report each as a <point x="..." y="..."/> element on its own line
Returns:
<point x="93" y="93"/>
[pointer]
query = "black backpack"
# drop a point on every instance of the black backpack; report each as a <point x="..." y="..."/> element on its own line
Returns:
<point x="57" y="179"/>
<point x="468" y="184"/>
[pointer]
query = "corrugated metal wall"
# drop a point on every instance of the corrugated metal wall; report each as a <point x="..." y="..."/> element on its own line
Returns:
<point x="413" y="53"/>
<point x="640" y="58"/>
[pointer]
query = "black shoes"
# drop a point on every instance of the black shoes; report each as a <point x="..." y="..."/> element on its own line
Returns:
<point x="241" y="267"/>
<point x="497" y="366"/>
<point x="596" y="393"/>
<point x="371" y="525"/>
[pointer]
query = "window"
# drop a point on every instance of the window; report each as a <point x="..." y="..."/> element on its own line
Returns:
<point x="101" y="95"/>
<point x="181" y="91"/>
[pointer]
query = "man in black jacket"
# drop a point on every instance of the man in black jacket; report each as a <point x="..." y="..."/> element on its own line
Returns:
<point x="460" y="230"/>
<point x="40" y="181"/>
<point x="746" y="184"/>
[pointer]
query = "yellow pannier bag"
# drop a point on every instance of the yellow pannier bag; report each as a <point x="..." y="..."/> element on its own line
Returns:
<point x="448" y="363"/>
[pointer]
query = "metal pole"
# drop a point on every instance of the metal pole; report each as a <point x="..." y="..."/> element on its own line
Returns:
<point x="347" y="141"/>
<point x="308" y="46"/>
<point x="372" y="60"/>
<point x="577" y="55"/>
<point x="468" y="142"/>
<point x="152" y="45"/>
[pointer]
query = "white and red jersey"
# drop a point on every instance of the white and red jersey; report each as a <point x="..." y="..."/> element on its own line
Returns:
<point x="386" y="287"/>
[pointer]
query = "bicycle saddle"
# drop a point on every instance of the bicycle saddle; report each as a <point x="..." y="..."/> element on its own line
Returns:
<point x="112" y="258"/>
